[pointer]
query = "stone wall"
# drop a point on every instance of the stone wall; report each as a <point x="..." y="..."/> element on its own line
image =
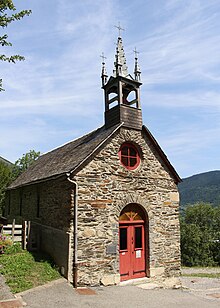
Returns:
<point x="48" y="203"/>
<point x="48" y="206"/>
<point x="105" y="188"/>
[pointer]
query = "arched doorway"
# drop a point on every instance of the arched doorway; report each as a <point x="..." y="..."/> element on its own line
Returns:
<point x="133" y="242"/>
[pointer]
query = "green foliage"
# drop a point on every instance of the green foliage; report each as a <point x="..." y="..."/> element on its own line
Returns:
<point x="203" y="275"/>
<point x="6" y="177"/>
<point x="204" y="187"/>
<point x="15" y="248"/>
<point x="6" y="7"/>
<point x="24" y="270"/>
<point x="200" y="235"/>
<point x="9" y="173"/>
<point x="25" y="161"/>
<point x="5" y="242"/>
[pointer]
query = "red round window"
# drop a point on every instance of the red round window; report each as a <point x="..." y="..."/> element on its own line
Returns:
<point x="129" y="156"/>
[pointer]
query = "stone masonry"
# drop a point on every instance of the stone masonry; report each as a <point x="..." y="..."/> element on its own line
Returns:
<point x="105" y="188"/>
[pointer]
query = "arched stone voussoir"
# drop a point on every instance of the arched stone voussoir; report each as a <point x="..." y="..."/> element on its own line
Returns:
<point x="132" y="198"/>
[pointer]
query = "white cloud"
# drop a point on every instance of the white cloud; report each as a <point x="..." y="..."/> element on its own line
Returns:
<point x="179" y="46"/>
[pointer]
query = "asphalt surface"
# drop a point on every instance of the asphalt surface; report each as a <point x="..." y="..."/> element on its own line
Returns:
<point x="197" y="293"/>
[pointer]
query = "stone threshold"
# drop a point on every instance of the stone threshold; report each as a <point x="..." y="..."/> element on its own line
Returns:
<point x="133" y="282"/>
<point x="152" y="283"/>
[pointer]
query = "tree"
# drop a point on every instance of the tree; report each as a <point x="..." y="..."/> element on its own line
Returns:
<point x="25" y="161"/>
<point x="200" y="235"/>
<point x="10" y="173"/>
<point x="195" y="246"/>
<point x="6" y="177"/>
<point x="5" y="20"/>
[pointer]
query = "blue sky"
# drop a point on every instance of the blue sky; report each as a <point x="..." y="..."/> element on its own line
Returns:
<point x="56" y="96"/>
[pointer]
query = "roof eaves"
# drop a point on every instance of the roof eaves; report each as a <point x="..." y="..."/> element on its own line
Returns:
<point x="53" y="177"/>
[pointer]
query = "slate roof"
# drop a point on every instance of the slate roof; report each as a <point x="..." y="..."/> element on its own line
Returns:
<point x="69" y="157"/>
<point x="64" y="159"/>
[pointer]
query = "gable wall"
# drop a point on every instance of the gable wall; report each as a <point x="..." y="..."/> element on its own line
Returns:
<point x="105" y="187"/>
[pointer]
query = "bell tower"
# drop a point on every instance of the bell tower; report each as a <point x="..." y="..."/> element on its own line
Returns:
<point x="122" y="91"/>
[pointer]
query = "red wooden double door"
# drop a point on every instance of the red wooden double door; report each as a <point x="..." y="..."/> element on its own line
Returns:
<point x="132" y="242"/>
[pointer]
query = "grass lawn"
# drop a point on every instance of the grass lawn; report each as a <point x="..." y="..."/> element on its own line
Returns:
<point x="207" y="275"/>
<point x="209" y="272"/>
<point x="24" y="270"/>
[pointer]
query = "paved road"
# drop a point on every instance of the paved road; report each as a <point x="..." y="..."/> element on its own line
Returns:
<point x="61" y="295"/>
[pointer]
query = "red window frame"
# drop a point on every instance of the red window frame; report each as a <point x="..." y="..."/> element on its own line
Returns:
<point x="128" y="153"/>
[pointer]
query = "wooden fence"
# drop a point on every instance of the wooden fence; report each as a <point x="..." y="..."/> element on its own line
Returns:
<point x="17" y="232"/>
<point x="14" y="231"/>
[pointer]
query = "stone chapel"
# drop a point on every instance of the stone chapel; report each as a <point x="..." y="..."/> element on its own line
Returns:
<point x="106" y="205"/>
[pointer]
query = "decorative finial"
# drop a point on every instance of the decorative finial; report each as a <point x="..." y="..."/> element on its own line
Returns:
<point x="119" y="29"/>
<point x="120" y="60"/>
<point x="104" y="75"/>
<point x="137" y="71"/>
<point x="135" y="52"/>
<point x="103" y="58"/>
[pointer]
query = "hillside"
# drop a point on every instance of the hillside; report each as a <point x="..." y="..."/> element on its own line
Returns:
<point x="204" y="187"/>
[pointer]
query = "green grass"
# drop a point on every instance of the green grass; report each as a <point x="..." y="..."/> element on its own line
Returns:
<point x="24" y="270"/>
<point x="208" y="275"/>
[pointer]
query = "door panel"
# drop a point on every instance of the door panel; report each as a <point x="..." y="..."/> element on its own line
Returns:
<point x="139" y="251"/>
<point x="132" y="251"/>
<point x="124" y="251"/>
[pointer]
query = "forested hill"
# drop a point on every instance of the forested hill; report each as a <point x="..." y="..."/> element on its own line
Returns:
<point x="203" y="187"/>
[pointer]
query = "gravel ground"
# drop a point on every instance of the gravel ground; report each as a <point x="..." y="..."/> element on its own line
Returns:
<point x="5" y="292"/>
<point x="202" y="287"/>
<point x="196" y="292"/>
<point x="62" y="295"/>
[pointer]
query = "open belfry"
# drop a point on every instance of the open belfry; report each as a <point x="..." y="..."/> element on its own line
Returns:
<point x="106" y="205"/>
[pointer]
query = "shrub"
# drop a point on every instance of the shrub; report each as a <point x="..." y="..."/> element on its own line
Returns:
<point x="5" y="242"/>
<point x="200" y="235"/>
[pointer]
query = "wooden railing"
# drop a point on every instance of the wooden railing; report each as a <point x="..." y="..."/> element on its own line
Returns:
<point x="18" y="232"/>
<point x="14" y="231"/>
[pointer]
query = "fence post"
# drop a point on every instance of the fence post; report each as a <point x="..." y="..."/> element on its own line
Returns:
<point x="24" y="234"/>
<point x="13" y="231"/>
<point x="28" y="234"/>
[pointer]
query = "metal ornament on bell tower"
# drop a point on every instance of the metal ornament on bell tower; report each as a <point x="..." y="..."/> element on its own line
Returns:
<point x="122" y="91"/>
<point x="104" y="75"/>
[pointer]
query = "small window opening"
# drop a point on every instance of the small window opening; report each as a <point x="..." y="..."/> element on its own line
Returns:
<point x="123" y="238"/>
<point x="138" y="237"/>
<point x="129" y="156"/>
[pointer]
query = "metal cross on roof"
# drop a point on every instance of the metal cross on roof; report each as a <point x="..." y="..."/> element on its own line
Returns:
<point x="103" y="57"/>
<point x="136" y="52"/>
<point x="119" y="29"/>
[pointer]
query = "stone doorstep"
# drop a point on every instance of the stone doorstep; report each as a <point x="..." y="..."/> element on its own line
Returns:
<point x="215" y="295"/>
<point x="133" y="282"/>
<point x="85" y="291"/>
<point x="150" y="284"/>
<point x="12" y="303"/>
